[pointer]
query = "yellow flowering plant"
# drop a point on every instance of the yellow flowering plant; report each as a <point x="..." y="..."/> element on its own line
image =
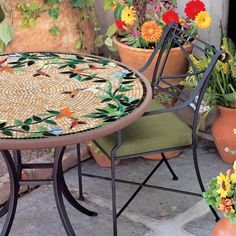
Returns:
<point x="141" y="23"/>
<point x="221" y="193"/>
<point x="222" y="87"/>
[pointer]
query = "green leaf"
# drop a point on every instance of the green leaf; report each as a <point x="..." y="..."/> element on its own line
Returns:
<point x="2" y="14"/>
<point x="107" y="4"/>
<point x="41" y="128"/>
<point x="54" y="13"/>
<point x="48" y="134"/>
<point x="7" y="132"/>
<point x="109" y="42"/>
<point x="35" y="135"/>
<point x="18" y="122"/>
<point x="51" y="122"/>
<point x="99" y="41"/>
<point x="54" y="112"/>
<point x="117" y="12"/>
<point x="2" y="125"/>
<point x="73" y="75"/>
<point x="6" y="33"/>
<point x="30" y="63"/>
<point x="28" y="121"/>
<point x="78" y="3"/>
<point x="36" y="118"/>
<point x="54" y="31"/>
<point x="25" y="128"/>
<point x="111" y="30"/>
<point x="112" y="106"/>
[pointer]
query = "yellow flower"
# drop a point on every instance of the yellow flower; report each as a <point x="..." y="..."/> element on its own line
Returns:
<point x="233" y="178"/>
<point x="182" y="20"/>
<point x="234" y="166"/>
<point x="128" y="15"/>
<point x="203" y="20"/>
<point x="234" y="130"/>
<point x="151" y="32"/>
<point x="223" y="181"/>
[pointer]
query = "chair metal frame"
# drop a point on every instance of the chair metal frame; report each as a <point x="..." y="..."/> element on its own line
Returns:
<point x="173" y="34"/>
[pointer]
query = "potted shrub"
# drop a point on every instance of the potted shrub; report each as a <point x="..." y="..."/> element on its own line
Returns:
<point x="221" y="93"/>
<point x="221" y="195"/>
<point x="139" y="25"/>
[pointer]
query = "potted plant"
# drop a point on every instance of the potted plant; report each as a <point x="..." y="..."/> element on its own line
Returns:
<point x="221" y="93"/>
<point x="138" y="28"/>
<point x="139" y="25"/>
<point x="221" y="195"/>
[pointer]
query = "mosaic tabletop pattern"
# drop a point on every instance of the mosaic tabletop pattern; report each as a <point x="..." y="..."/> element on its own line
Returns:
<point x="51" y="94"/>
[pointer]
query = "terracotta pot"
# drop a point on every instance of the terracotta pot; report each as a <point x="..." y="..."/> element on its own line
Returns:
<point x="136" y="57"/>
<point x="223" y="133"/>
<point x="224" y="228"/>
<point x="100" y="158"/>
<point x="169" y="155"/>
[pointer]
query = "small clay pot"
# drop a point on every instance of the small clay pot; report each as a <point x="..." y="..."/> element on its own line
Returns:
<point x="100" y="158"/>
<point x="224" y="228"/>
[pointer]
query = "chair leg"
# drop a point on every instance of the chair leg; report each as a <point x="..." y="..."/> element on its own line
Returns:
<point x="81" y="196"/>
<point x="113" y="188"/>
<point x="199" y="178"/>
<point x="175" y="177"/>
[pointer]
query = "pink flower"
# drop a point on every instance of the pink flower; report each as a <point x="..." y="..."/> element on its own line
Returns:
<point x="157" y="9"/>
<point x="185" y="25"/>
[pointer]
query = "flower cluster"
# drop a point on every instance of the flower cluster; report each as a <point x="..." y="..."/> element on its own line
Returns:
<point x="221" y="193"/>
<point x="141" y="23"/>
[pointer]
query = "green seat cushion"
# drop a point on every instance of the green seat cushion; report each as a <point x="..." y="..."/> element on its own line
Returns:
<point x="150" y="133"/>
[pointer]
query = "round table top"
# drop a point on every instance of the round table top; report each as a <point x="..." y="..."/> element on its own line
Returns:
<point x="52" y="99"/>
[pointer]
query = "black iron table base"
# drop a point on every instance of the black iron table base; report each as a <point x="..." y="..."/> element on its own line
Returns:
<point x="15" y="167"/>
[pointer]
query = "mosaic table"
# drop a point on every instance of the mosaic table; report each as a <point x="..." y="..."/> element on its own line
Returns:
<point x="56" y="99"/>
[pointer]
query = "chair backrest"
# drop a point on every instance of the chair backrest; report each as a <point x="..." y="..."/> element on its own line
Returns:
<point x="174" y="36"/>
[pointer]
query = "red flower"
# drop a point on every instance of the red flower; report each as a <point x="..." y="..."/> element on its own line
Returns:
<point x="120" y="24"/>
<point x="170" y="16"/>
<point x="193" y="7"/>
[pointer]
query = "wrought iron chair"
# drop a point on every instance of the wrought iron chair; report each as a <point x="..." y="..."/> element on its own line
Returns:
<point x="142" y="137"/>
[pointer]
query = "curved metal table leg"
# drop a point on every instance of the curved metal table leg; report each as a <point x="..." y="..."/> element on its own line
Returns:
<point x="61" y="189"/>
<point x="14" y="189"/>
<point x="72" y="200"/>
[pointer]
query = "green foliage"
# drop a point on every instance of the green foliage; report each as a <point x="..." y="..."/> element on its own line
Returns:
<point x="6" y="34"/>
<point x="82" y="3"/>
<point x="54" y="31"/>
<point x="30" y="13"/>
<point x="2" y="14"/>
<point x="222" y="88"/>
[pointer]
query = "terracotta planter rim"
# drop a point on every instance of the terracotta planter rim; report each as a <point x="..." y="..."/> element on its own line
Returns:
<point x="144" y="50"/>
<point x="223" y="108"/>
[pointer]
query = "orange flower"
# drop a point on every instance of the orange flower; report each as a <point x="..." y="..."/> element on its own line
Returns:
<point x="227" y="201"/>
<point x="229" y="209"/>
<point x="7" y="69"/>
<point x="151" y="32"/>
<point x="221" y="207"/>
<point x="65" y="112"/>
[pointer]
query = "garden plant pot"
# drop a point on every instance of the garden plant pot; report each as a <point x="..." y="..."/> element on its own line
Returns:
<point x="177" y="64"/>
<point x="224" y="228"/>
<point x="136" y="57"/>
<point x="100" y="158"/>
<point x="223" y="131"/>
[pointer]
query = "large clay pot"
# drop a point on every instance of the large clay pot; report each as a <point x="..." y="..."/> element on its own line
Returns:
<point x="38" y="38"/>
<point x="224" y="228"/>
<point x="177" y="62"/>
<point x="224" y="134"/>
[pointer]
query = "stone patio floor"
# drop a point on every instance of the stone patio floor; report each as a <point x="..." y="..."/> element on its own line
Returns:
<point x="152" y="213"/>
